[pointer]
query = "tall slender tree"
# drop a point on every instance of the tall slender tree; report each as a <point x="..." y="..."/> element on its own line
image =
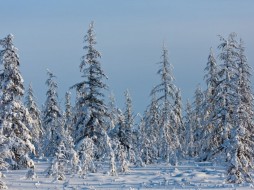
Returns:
<point x="166" y="90"/>
<point x="209" y="112"/>
<point x="52" y="118"/>
<point x="36" y="124"/>
<point x="241" y="134"/>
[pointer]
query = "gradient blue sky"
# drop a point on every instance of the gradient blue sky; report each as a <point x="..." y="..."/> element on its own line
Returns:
<point x="130" y="33"/>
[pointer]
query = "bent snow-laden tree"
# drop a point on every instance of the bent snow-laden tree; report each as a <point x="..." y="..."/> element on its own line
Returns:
<point x="91" y="115"/>
<point x="14" y="117"/>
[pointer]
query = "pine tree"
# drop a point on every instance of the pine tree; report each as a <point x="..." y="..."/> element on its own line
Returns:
<point x="52" y="118"/>
<point x="92" y="118"/>
<point x="36" y="125"/>
<point x="14" y="117"/>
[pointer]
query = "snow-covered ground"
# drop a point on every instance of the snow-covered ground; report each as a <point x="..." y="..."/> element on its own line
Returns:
<point x="187" y="175"/>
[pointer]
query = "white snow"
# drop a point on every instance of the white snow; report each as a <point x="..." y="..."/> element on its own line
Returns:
<point x="187" y="175"/>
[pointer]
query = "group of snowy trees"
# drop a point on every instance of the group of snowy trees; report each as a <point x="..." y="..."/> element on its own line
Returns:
<point x="221" y="119"/>
<point x="217" y="126"/>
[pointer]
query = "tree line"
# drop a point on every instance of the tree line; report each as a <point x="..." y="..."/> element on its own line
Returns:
<point x="216" y="127"/>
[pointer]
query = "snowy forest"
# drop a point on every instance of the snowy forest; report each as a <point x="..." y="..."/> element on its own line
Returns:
<point x="91" y="133"/>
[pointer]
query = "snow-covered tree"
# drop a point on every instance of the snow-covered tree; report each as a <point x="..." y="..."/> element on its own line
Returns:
<point x="240" y="147"/>
<point x="52" y="118"/>
<point x="124" y="164"/>
<point x="113" y="111"/>
<point x="86" y="151"/>
<point x="189" y="140"/>
<point x="240" y="151"/>
<point x="198" y="119"/>
<point x="58" y="167"/>
<point x="152" y="132"/>
<point x="92" y="114"/>
<point x="177" y="121"/>
<point x="68" y="114"/>
<point x="36" y="125"/>
<point x="166" y="90"/>
<point x="209" y="112"/>
<point x="14" y="117"/>
<point x="126" y="131"/>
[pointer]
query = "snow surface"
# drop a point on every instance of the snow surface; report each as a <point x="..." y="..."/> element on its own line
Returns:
<point x="187" y="175"/>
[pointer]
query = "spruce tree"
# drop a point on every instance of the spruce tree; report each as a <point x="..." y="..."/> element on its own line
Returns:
<point x="52" y="118"/>
<point x="126" y="136"/>
<point x="36" y="124"/>
<point x="152" y="132"/>
<point x="68" y="116"/>
<point x="209" y="114"/>
<point x="14" y="117"/>
<point x="241" y="134"/>
<point x="92" y="112"/>
<point x="189" y="139"/>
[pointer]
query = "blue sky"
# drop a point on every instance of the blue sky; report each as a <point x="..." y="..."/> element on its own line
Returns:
<point x="49" y="34"/>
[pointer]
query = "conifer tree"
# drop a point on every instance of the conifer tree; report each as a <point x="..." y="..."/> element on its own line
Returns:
<point x="14" y="117"/>
<point x="68" y="113"/>
<point x="52" y="118"/>
<point x="126" y="135"/>
<point x="209" y="112"/>
<point x="240" y="153"/>
<point x="189" y="140"/>
<point x="152" y="132"/>
<point x="36" y="125"/>
<point x="92" y="114"/>
<point x="166" y="90"/>
<point x="198" y="119"/>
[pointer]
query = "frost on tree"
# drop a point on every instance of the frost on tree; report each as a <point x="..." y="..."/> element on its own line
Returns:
<point x="15" y="119"/>
<point x="58" y="167"/>
<point x="241" y="134"/>
<point x="68" y="115"/>
<point x="151" y="131"/>
<point x="36" y="125"/>
<point x="86" y="150"/>
<point x="197" y="117"/>
<point x="209" y="125"/>
<point x="91" y="115"/>
<point x="228" y="111"/>
<point x="52" y="118"/>
<point x="125" y="133"/>
<point x="188" y="143"/>
<point x="169" y="142"/>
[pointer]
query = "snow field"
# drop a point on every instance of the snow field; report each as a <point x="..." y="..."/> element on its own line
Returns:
<point x="187" y="175"/>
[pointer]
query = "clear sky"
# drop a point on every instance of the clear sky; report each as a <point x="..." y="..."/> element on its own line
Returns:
<point x="130" y="33"/>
